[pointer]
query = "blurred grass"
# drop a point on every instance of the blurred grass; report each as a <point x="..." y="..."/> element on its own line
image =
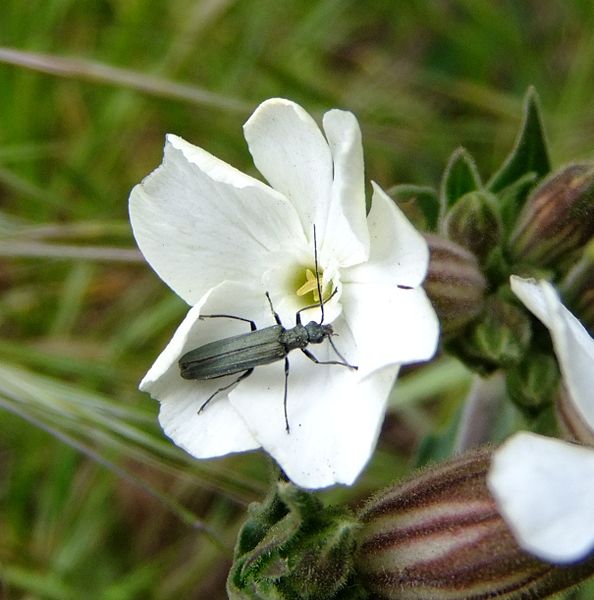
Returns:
<point x="94" y="502"/>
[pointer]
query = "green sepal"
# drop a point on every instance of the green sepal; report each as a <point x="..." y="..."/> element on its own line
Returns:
<point x="460" y="177"/>
<point x="530" y="151"/>
<point x="424" y="197"/>
<point x="293" y="547"/>
<point x="532" y="384"/>
<point x="261" y="517"/>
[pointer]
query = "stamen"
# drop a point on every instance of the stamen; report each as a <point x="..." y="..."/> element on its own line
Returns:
<point x="310" y="285"/>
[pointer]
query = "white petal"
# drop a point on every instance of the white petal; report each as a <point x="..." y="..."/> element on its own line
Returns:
<point x="390" y="325"/>
<point x="290" y="151"/>
<point x="399" y="254"/>
<point x="545" y="491"/>
<point x="218" y="429"/>
<point x="346" y="237"/>
<point x="574" y="346"/>
<point x="198" y="221"/>
<point x="334" y="416"/>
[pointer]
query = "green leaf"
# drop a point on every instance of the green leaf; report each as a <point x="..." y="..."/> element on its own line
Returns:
<point x="439" y="446"/>
<point x="460" y="177"/>
<point x="530" y="153"/>
<point x="512" y="198"/>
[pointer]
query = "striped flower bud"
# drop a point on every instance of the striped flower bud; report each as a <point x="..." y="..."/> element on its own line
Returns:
<point x="557" y="218"/>
<point x="439" y="536"/>
<point x="454" y="284"/>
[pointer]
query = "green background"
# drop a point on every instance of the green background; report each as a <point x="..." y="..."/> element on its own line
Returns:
<point x="94" y="501"/>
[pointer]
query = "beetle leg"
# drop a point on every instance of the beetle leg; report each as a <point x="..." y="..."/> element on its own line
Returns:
<point x="285" y="397"/>
<point x="253" y="325"/>
<point x="342" y="358"/>
<point x="226" y="387"/>
<point x="327" y="362"/>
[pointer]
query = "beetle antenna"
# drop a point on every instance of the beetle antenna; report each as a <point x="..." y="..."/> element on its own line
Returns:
<point x="318" y="274"/>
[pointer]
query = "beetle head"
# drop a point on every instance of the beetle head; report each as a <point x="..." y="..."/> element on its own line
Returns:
<point x="316" y="333"/>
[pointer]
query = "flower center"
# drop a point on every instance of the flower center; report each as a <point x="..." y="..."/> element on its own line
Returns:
<point x="307" y="290"/>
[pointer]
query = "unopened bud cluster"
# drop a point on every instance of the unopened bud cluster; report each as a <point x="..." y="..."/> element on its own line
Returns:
<point x="491" y="231"/>
<point x="292" y="546"/>
<point x="439" y="536"/>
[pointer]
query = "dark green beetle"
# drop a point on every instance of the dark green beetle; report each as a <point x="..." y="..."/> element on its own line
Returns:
<point x="243" y="353"/>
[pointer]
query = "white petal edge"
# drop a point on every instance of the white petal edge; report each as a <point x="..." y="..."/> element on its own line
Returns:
<point x="346" y="236"/>
<point x="198" y="221"/>
<point x="390" y="325"/>
<point x="574" y="346"/>
<point x="398" y="252"/>
<point x="544" y="489"/>
<point x="289" y="149"/>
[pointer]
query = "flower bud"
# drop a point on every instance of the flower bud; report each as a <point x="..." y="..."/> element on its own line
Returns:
<point x="454" y="284"/>
<point x="532" y="384"/>
<point x="439" y="536"/>
<point x="474" y="222"/>
<point x="577" y="289"/>
<point x="292" y="546"/>
<point x="499" y="339"/>
<point x="557" y="218"/>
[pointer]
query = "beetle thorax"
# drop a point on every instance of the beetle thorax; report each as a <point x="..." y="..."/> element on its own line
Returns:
<point x="296" y="337"/>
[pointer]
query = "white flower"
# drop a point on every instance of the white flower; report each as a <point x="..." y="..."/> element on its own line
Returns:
<point x="545" y="487"/>
<point x="220" y="239"/>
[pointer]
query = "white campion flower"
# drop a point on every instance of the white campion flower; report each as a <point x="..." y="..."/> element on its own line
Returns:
<point x="220" y="239"/>
<point x="545" y="487"/>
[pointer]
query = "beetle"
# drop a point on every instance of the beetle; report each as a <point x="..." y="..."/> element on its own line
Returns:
<point x="243" y="353"/>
